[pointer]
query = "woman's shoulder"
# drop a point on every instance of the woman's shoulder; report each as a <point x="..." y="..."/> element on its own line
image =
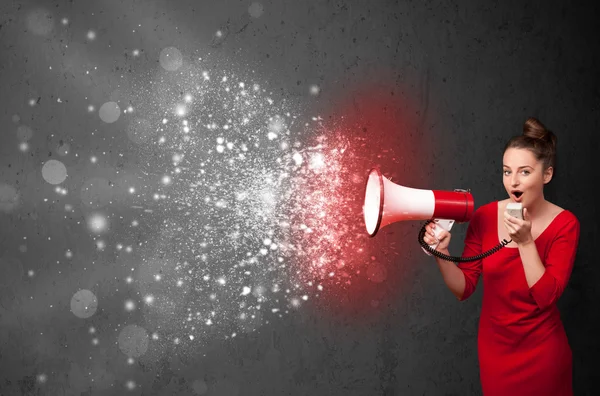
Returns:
<point x="562" y="215"/>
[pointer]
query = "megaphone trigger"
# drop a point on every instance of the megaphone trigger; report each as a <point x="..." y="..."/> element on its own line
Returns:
<point x="442" y="225"/>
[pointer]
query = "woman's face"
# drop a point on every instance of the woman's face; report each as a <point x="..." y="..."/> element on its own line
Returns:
<point x="524" y="176"/>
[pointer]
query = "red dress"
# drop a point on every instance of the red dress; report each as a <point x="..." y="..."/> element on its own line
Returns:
<point x="522" y="345"/>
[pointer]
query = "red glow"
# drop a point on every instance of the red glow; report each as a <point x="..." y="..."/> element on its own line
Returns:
<point x="357" y="273"/>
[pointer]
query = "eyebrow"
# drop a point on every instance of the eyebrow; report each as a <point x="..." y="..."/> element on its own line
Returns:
<point x="520" y="167"/>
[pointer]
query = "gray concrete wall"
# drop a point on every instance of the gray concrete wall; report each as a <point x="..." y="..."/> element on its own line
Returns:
<point x="430" y="91"/>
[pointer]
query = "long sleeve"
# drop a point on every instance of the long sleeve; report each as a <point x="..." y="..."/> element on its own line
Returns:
<point x="472" y="270"/>
<point x="559" y="265"/>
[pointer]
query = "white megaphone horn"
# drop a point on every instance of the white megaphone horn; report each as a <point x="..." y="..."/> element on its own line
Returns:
<point x="387" y="202"/>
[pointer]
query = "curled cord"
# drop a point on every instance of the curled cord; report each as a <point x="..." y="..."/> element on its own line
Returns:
<point x="453" y="258"/>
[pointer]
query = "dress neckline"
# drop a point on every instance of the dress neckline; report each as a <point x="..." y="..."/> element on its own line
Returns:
<point x="535" y="240"/>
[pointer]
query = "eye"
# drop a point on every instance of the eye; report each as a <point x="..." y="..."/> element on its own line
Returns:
<point x="526" y="172"/>
<point x="506" y="173"/>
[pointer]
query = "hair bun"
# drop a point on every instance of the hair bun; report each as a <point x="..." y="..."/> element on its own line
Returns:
<point x="533" y="128"/>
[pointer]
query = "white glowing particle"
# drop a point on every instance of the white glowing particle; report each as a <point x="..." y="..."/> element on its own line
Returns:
<point x="68" y="254"/>
<point x="91" y="35"/>
<point x="271" y="135"/>
<point x="317" y="161"/>
<point x="245" y="291"/>
<point x="130" y="385"/>
<point x="97" y="223"/>
<point x="42" y="378"/>
<point x="155" y="336"/>
<point x="191" y="337"/>
<point x="92" y="330"/>
<point x="209" y="322"/>
<point x="129" y="279"/>
<point x="314" y="90"/>
<point x="130" y="361"/>
<point x="166" y="180"/>
<point x="221" y="281"/>
<point x="149" y="299"/>
<point x="24" y="147"/>
<point x="179" y="282"/>
<point x="95" y="341"/>
<point x="30" y="273"/>
<point x="100" y="245"/>
<point x="32" y="102"/>
<point x="188" y="98"/>
<point x="93" y="159"/>
<point x="157" y="277"/>
<point x="136" y="52"/>
<point x="131" y="190"/>
<point x="65" y="21"/>
<point x="297" y="157"/>
<point x="181" y="110"/>
<point x="129" y="305"/>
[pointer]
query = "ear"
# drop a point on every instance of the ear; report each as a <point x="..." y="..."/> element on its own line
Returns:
<point x="548" y="173"/>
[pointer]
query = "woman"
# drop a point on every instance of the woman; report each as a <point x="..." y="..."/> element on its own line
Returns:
<point x="522" y="345"/>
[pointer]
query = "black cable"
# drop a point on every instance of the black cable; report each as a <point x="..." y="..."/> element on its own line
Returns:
<point x="457" y="259"/>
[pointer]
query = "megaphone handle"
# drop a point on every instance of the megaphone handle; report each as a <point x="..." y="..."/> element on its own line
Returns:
<point x="441" y="224"/>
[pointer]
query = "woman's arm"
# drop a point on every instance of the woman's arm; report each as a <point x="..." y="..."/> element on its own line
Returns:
<point x="453" y="276"/>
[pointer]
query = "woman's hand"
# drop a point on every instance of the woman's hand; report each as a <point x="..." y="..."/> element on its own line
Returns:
<point x="443" y="238"/>
<point x="518" y="230"/>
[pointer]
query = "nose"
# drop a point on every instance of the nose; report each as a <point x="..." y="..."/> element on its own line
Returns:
<point x="514" y="181"/>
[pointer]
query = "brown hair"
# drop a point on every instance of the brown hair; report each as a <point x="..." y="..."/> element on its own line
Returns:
<point x="539" y="140"/>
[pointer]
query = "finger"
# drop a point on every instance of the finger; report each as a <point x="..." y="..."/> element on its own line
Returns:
<point x="509" y="227"/>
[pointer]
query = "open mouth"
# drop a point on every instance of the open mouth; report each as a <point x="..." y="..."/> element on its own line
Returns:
<point x="517" y="194"/>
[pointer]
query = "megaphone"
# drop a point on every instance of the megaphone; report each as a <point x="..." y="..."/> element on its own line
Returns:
<point x="386" y="203"/>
